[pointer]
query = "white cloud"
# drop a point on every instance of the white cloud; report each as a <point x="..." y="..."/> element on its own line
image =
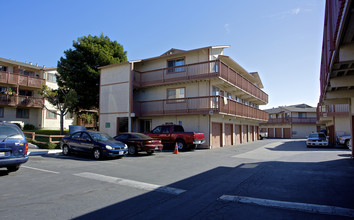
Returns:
<point x="227" y="27"/>
<point x="294" y="11"/>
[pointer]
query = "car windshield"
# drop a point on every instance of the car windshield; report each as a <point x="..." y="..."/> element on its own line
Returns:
<point x="101" y="137"/>
<point x="10" y="133"/>
<point x="140" y="136"/>
<point x="317" y="135"/>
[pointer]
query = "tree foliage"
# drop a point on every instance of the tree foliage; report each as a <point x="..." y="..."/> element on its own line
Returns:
<point x="78" y="70"/>
<point x="63" y="99"/>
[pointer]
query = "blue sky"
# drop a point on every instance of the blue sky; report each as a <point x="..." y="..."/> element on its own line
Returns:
<point x="279" y="39"/>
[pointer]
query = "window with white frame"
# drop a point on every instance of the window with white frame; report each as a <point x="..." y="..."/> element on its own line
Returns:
<point x="51" y="77"/>
<point x="51" y="114"/>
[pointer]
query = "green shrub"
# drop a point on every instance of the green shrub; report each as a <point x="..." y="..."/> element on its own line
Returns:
<point x="47" y="145"/>
<point x="29" y="127"/>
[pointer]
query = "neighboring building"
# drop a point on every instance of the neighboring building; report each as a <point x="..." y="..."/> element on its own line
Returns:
<point x="295" y="121"/>
<point x="337" y="65"/>
<point x="50" y="120"/>
<point x="201" y="89"/>
<point x="20" y="101"/>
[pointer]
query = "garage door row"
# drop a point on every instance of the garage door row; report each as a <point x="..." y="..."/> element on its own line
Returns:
<point x="279" y="132"/>
<point x="234" y="134"/>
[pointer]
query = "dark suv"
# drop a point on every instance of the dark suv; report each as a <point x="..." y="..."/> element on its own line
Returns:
<point x="13" y="147"/>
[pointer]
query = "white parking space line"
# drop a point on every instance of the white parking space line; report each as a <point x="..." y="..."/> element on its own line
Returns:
<point x="47" y="171"/>
<point x="131" y="183"/>
<point x="304" y="207"/>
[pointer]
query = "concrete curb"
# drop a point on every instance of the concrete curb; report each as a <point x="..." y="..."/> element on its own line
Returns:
<point x="42" y="152"/>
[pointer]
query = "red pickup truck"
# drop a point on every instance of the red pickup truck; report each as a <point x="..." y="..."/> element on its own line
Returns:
<point x="171" y="134"/>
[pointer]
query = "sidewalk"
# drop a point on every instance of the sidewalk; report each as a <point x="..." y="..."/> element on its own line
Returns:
<point x="33" y="150"/>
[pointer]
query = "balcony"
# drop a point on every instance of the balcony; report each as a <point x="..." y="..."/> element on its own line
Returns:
<point x="21" y="101"/>
<point x="326" y="112"/>
<point x="17" y="79"/>
<point x="197" y="105"/>
<point x="292" y="120"/>
<point x="196" y="71"/>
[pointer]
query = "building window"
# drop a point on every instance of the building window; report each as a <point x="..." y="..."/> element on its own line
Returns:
<point x="51" y="114"/>
<point x="51" y="77"/>
<point x="145" y="125"/>
<point x="287" y="115"/>
<point x="175" y="63"/>
<point x="26" y="73"/>
<point x="26" y="92"/>
<point x="69" y="116"/>
<point x="1" y="112"/>
<point x="3" y="68"/>
<point x="302" y="115"/>
<point x="22" y="113"/>
<point x="176" y="94"/>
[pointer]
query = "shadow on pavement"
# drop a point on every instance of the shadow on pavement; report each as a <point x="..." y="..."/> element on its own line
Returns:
<point x="327" y="183"/>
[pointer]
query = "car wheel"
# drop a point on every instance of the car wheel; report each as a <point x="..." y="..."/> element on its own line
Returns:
<point x="66" y="150"/>
<point x="149" y="152"/>
<point x="181" y="145"/>
<point x="132" y="150"/>
<point x="13" y="168"/>
<point x="97" y="154"/>
<point x="347" y="144"/>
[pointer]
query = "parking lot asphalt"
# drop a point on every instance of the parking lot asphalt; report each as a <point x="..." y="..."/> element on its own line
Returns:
<point x="269" y="179"/>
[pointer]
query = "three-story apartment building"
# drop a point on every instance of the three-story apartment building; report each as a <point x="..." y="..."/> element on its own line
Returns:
<point x="337" y="67"/>
<point x="20" y="101"/>
<point x="294" y="121"/>
<point x="201" y="89"/>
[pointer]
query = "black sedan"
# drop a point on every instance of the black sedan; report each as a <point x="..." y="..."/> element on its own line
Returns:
<point x="140" y="142"/>
<point x="95" y="143"/>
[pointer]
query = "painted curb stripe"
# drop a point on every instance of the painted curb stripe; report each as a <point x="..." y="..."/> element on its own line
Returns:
<point x="36" y="153"/>
<point x="131" y="183"/>
<point x="304" y="207"/>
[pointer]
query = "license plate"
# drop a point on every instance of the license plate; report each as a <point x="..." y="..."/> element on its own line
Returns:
<point x="121" y="152"/>
<point x="156" y="148"/>
<point x="2" y="154"/>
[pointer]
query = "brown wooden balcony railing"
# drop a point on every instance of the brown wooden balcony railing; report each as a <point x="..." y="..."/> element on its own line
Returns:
<point x="17" y="79"/>
<point x="200" y="70"/>
<point x="21" y="101"/>
<point x="197" y="105"/>
<point x="332" y="110"/>
<point x="292" y="120"/>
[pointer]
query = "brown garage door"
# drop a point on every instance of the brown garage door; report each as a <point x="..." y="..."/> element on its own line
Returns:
<point x="216" y="135"/>
<point x="228" y="134"/>
<point x="238" y="134"/>
<point x="245" y="134"/>
<point x="271" y="132"/>
<point x="287" y="132"/>
<point x="278" y="132"/>
<point x="252" y="133"/>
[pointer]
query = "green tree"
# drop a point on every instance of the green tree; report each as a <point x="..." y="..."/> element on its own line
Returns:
<point x="78" y="70"/>
<point x="63" y="99"/>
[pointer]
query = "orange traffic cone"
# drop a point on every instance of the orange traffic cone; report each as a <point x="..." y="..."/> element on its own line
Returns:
<point x="176" y="149"/>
